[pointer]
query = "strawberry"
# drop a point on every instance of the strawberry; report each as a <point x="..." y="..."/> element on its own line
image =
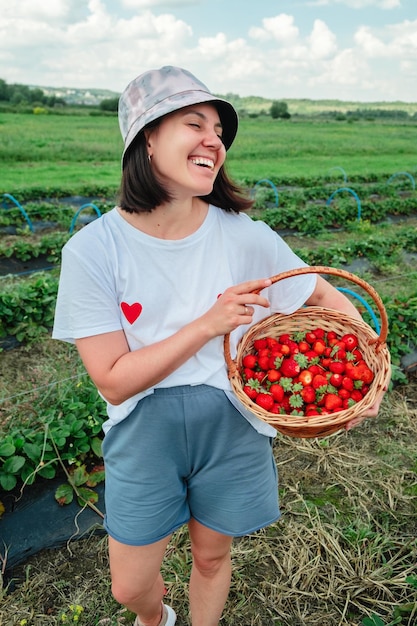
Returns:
<point x="263" y="362"/>
<point x="305" y="377"/>
<point x="265" y="401"/>
<point x="356" y="395"/>
<point x="249" y="361"/>
<point x="273" y="375"/>
<point x="337" y="367"/>
<point x="252" y="389"/>
<point x="336" y="380"/>
<point x="332" y="402"/>
<point x="303" y="346"/>
<point x="347" y="383"/>
<point x="310" y="337"/>
<point x="259" y="344"/>
<point x="319" y="346"/>
<point x="308" y="394"/>
<point x="248" y="373"/>
<point x="272" y="343"/>
<point x="277" y="392"/>
<point x="290" y="368"/>
<point x="350" y="340"/>
<point x="319" y="380"/>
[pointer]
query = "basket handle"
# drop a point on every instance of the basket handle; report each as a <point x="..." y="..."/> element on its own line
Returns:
<point x="320" y="269"/>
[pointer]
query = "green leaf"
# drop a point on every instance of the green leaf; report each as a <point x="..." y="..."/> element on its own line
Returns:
<point x="86" y="495"/>
<point x="7" y="481"/>
<point x="64" y="494"/>
<point x="32" y="451"/>
<point x="96" y="446"/>
<point x="375" y="620"/>
<point x="7" y="449"/>
<point x="14" y="464"/>
<point x="80" y="476"/>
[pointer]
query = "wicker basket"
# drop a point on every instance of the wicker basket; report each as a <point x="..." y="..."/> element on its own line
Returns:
<point x="371" y="345"/>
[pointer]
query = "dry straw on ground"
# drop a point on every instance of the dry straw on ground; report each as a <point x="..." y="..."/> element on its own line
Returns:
<point x="342" y="550"/>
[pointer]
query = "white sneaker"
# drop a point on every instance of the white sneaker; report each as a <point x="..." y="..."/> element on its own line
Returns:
<point x="169" y="617"/>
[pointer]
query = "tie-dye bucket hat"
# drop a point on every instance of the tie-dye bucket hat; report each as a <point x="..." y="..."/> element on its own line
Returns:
<point x="158" y="92"/>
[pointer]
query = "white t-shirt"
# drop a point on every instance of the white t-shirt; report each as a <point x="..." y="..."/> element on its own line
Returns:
<point x="115" y="277"/>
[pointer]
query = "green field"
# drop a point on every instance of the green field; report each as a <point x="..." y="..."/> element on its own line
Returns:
<point x="76" y="150"/>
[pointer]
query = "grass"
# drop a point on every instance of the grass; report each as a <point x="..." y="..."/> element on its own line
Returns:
<point x="52" y="150"/>
<point x="342" y="550"/>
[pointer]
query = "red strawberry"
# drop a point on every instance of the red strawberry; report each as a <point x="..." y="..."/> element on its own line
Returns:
<point x="356" y="395"/>
<point x="308" y="394"/>
<point x="310" y="337"/>
<point x="319" y="346"/>
<point x="319" y="380"/>
<point x="336" y="380"/>
<point x="290" y="368"/>
<point x="273" y="375"/>
<point x="263" y="363"/>
<point x="251" y="390"/>
<point x="347" y="383"/>
<point x="350" y="340"/>
<point x="305" y="377"/>
<point x="250" y="361"/>
<point x="259" y="344"/>
<point x="332" y="402"/>
<point x="337" y="367"/>
<point x="277" y="392"/>
<point x="265" y="401"/>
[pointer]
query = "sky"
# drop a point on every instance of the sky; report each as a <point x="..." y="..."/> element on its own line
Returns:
<point x="351" y="50"/>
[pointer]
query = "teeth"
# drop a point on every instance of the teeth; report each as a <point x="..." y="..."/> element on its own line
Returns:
<point x="204" y="162"/>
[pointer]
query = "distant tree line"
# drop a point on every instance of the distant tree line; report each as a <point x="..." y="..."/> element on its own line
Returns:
<point x="16" y="94"/>
<point x="369" y="114"/>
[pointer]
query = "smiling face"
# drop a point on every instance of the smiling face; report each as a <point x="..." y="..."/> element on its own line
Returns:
<point x="187" y="150"/>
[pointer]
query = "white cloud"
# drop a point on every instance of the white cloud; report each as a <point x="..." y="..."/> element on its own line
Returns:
<point x="322" y="41"/>
<point x="280" y="28"/>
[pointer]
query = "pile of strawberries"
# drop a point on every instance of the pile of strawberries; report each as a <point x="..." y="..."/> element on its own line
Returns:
<point x="306" y="374"/>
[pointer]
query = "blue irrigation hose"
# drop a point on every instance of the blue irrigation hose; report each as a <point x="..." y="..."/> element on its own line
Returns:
<point x="354" y="194"/>
<point x="365" y="304"/>
<point x="271" y="184"/>
<point x="84" y="206"/>
<point x="406" y="174"/>
<point x="337" y="167"/>
<point x="21" y="209"/>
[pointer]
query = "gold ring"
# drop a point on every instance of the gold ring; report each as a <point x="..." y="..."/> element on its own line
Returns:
<point x="246" y="310"/>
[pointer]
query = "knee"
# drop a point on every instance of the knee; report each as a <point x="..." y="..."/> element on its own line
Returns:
<point x="128" y="595"/>
<point x="210" y="564"/>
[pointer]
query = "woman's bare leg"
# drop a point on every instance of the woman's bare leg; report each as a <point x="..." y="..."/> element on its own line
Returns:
<point x="136" y="579"/>
<point x="210" y="574"/>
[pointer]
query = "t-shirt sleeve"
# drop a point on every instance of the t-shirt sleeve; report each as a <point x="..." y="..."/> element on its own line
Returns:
<point x="87" y="300"/>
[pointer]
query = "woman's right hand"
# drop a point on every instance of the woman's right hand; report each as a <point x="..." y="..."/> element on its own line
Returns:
<point x="235" y="306"/>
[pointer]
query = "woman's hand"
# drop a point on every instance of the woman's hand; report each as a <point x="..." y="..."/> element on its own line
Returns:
<point x="235" y="307"/>
<point x="372" y="411"/>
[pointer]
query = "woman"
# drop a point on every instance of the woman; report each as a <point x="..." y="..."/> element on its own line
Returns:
<point x="147" y="293"/>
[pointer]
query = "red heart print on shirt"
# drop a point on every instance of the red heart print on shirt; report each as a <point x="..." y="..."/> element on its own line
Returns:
<point x="131" y="311"/>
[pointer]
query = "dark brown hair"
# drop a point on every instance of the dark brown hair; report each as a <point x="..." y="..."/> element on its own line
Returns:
<point x="141" y="191"/>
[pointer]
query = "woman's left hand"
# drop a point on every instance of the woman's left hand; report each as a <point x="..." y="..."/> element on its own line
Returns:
<point x="372" y="411"/>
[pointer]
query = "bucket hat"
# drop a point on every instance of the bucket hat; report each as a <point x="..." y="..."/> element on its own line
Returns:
<point x="158" y="92"/>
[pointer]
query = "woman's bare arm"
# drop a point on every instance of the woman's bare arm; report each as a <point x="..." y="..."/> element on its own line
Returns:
<point x="120" y="373"/>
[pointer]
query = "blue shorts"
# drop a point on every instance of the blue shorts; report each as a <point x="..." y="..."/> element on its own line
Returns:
<point x="186" y="452"/>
